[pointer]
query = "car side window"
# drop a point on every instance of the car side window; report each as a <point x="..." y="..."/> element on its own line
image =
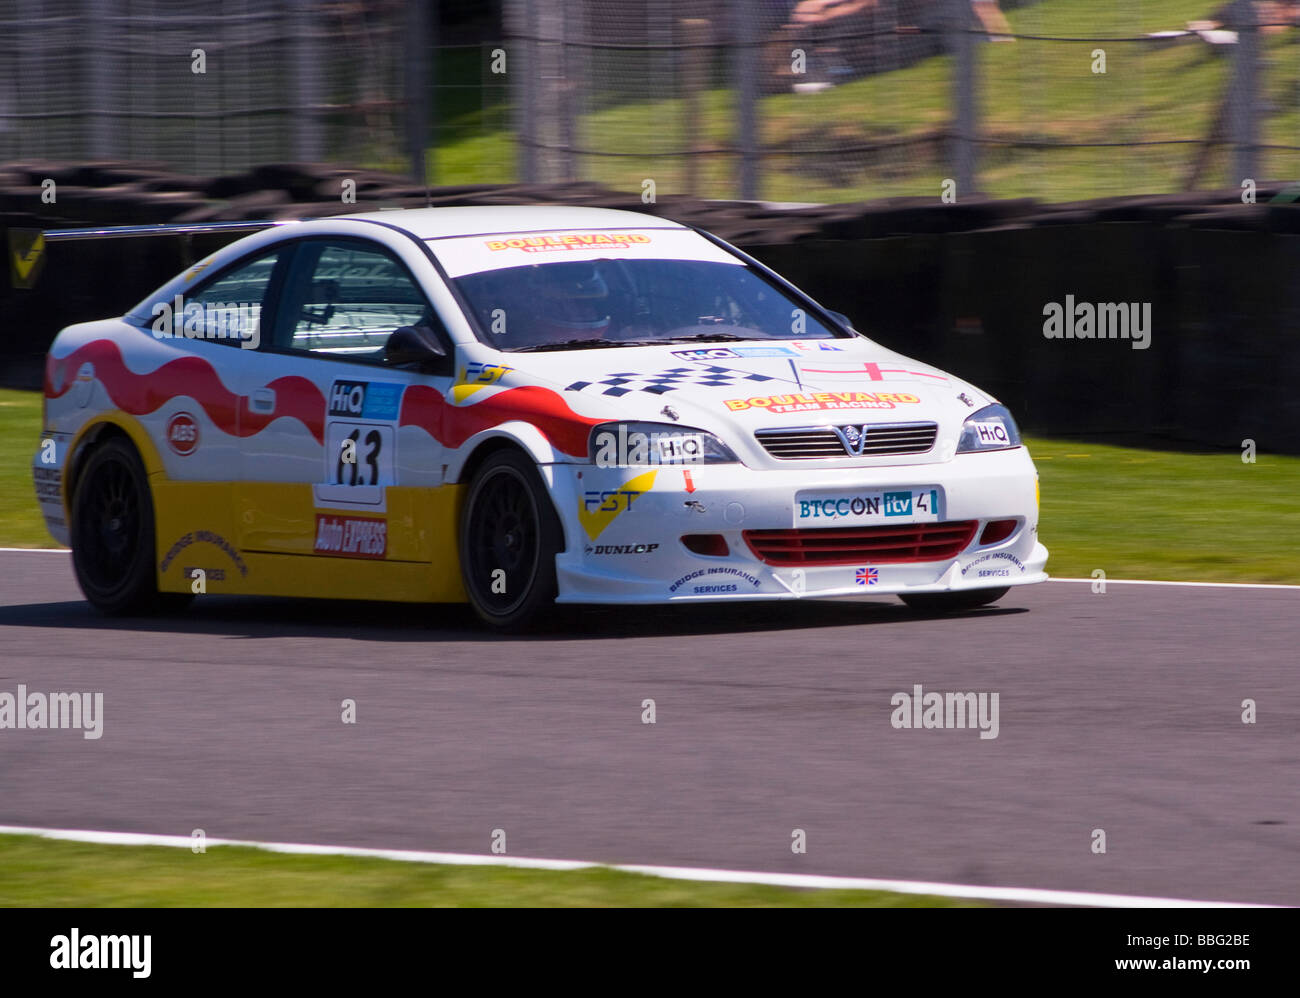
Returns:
<point x="346" y="298"/>
<point x="226" y="310"/>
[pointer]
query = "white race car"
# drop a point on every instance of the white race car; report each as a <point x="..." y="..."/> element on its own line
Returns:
<point x="512" y="407"/>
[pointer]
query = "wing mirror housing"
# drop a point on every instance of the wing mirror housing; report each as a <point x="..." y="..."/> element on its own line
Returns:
<point x="430" y="350"/>
<point x="842" y="319"/>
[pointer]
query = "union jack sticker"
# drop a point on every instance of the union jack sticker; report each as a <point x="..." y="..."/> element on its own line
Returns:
<point x="867" y="576"/>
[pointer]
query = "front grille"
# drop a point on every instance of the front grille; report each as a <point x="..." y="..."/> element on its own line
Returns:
<point x="862" y="545"/>
<point x="800" y="444"/>
<point x="804" y="443"/>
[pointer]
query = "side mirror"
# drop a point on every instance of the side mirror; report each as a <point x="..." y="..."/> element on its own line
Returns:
<point x="842" y="319"/>
<point x="430" y="350"/>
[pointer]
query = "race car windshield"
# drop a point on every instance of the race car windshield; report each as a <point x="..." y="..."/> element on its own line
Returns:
<point x="573" y="305"/>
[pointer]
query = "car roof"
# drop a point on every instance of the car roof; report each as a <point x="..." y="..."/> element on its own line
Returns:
<point x="422" y="223"/>
<point x="440" y="223"/>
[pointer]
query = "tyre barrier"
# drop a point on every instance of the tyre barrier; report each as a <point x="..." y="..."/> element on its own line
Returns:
<point x="967" y="287"/>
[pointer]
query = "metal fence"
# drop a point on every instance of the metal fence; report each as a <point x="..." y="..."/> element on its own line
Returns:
<point x="783" y="100"/>
<point x="834" y="101"/>
<point x="202" y="85"/>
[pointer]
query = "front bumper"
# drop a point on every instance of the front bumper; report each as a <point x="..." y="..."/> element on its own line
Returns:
<point x="624" y="529"/>
<point x="48" y="466"/>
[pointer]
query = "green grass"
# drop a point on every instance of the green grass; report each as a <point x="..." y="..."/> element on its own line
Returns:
<point x="1135" y="513"/>
<point x="1029" y="91"/>
<point x="21" y="525"/>
<point x="1143" y="514"/>
<point x="46" y="873"/>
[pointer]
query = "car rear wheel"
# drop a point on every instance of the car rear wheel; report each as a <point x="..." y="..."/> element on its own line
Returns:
<point x="509" y="537"/>
<point x="113" y="533"/>
<point x="965" y="599"/>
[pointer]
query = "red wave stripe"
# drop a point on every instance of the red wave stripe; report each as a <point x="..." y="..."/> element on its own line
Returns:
<point x="140" y="394"/>
<point x="295" y="397"/>
<point x="452" y="425"/>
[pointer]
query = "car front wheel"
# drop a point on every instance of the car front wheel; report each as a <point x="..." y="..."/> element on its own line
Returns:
<point x="509" y="537"/>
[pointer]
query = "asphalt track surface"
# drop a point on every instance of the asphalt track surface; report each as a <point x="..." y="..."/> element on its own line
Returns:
<point x="1119" y="711"/>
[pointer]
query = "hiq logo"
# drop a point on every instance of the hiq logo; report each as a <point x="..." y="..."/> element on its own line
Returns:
<point x="347" y="398"/>
<point x="635" y="447"/>
<point x="365" y="399"/>
<point x="898" y="504"/>
<point x="992" y="433"/>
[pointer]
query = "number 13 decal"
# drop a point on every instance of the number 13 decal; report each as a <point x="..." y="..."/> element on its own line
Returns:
<point x="359" y="464"/>
<point x="350" y="458"/>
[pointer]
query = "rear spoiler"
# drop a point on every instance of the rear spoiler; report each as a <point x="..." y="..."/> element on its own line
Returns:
<point x="27" y="246"/>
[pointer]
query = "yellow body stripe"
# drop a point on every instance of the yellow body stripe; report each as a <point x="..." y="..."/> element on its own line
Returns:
<point x="261" y="536"/>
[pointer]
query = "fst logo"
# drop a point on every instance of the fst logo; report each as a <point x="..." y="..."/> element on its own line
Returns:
<point x="183" y="434"/>
<point x="609" y="500"/>
<point x="477" y="375"/>
<point x="600" y="507"/>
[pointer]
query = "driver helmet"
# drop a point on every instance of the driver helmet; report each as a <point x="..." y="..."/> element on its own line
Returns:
<point x="572" y="301"/>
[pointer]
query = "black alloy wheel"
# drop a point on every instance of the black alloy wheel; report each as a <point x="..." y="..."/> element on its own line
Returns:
<point x="509" y="537"/>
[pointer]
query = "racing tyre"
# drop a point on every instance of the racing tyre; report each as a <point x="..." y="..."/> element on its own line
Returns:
<point x="112" y="533"/>
<point x="965" y="599"/>
<point x="509" y="537"/>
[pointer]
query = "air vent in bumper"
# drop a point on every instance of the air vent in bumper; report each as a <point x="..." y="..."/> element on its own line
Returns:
<point x="862" y="545"/>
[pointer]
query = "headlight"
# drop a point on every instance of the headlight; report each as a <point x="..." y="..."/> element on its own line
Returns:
<point x="992" y="428"/>
<point x="613" y="445"/>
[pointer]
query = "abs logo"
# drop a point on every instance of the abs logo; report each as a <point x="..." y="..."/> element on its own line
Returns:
<point x="183" y="434"/>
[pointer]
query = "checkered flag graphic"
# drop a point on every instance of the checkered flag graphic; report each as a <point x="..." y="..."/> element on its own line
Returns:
<point x="663" y="382"/>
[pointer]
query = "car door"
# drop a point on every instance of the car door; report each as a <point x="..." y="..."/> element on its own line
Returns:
<point x="201" y="423"/>
<point x="335" y="475"/>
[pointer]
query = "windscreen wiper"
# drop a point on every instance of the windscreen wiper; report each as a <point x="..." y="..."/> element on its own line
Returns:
<point x="593" y="344"/>
<point x="710" y="337"/>
<point x="578" y="345"/>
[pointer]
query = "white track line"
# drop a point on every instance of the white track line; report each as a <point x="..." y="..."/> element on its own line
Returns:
<point x="1203" y="585"/>
<point x="1027" y="895"/>
<point x="1109" y="581"/>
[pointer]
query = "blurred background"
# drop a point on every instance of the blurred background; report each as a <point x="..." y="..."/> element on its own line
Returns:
<point x="783" y="100"/>
<point x="938" y="170"/>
